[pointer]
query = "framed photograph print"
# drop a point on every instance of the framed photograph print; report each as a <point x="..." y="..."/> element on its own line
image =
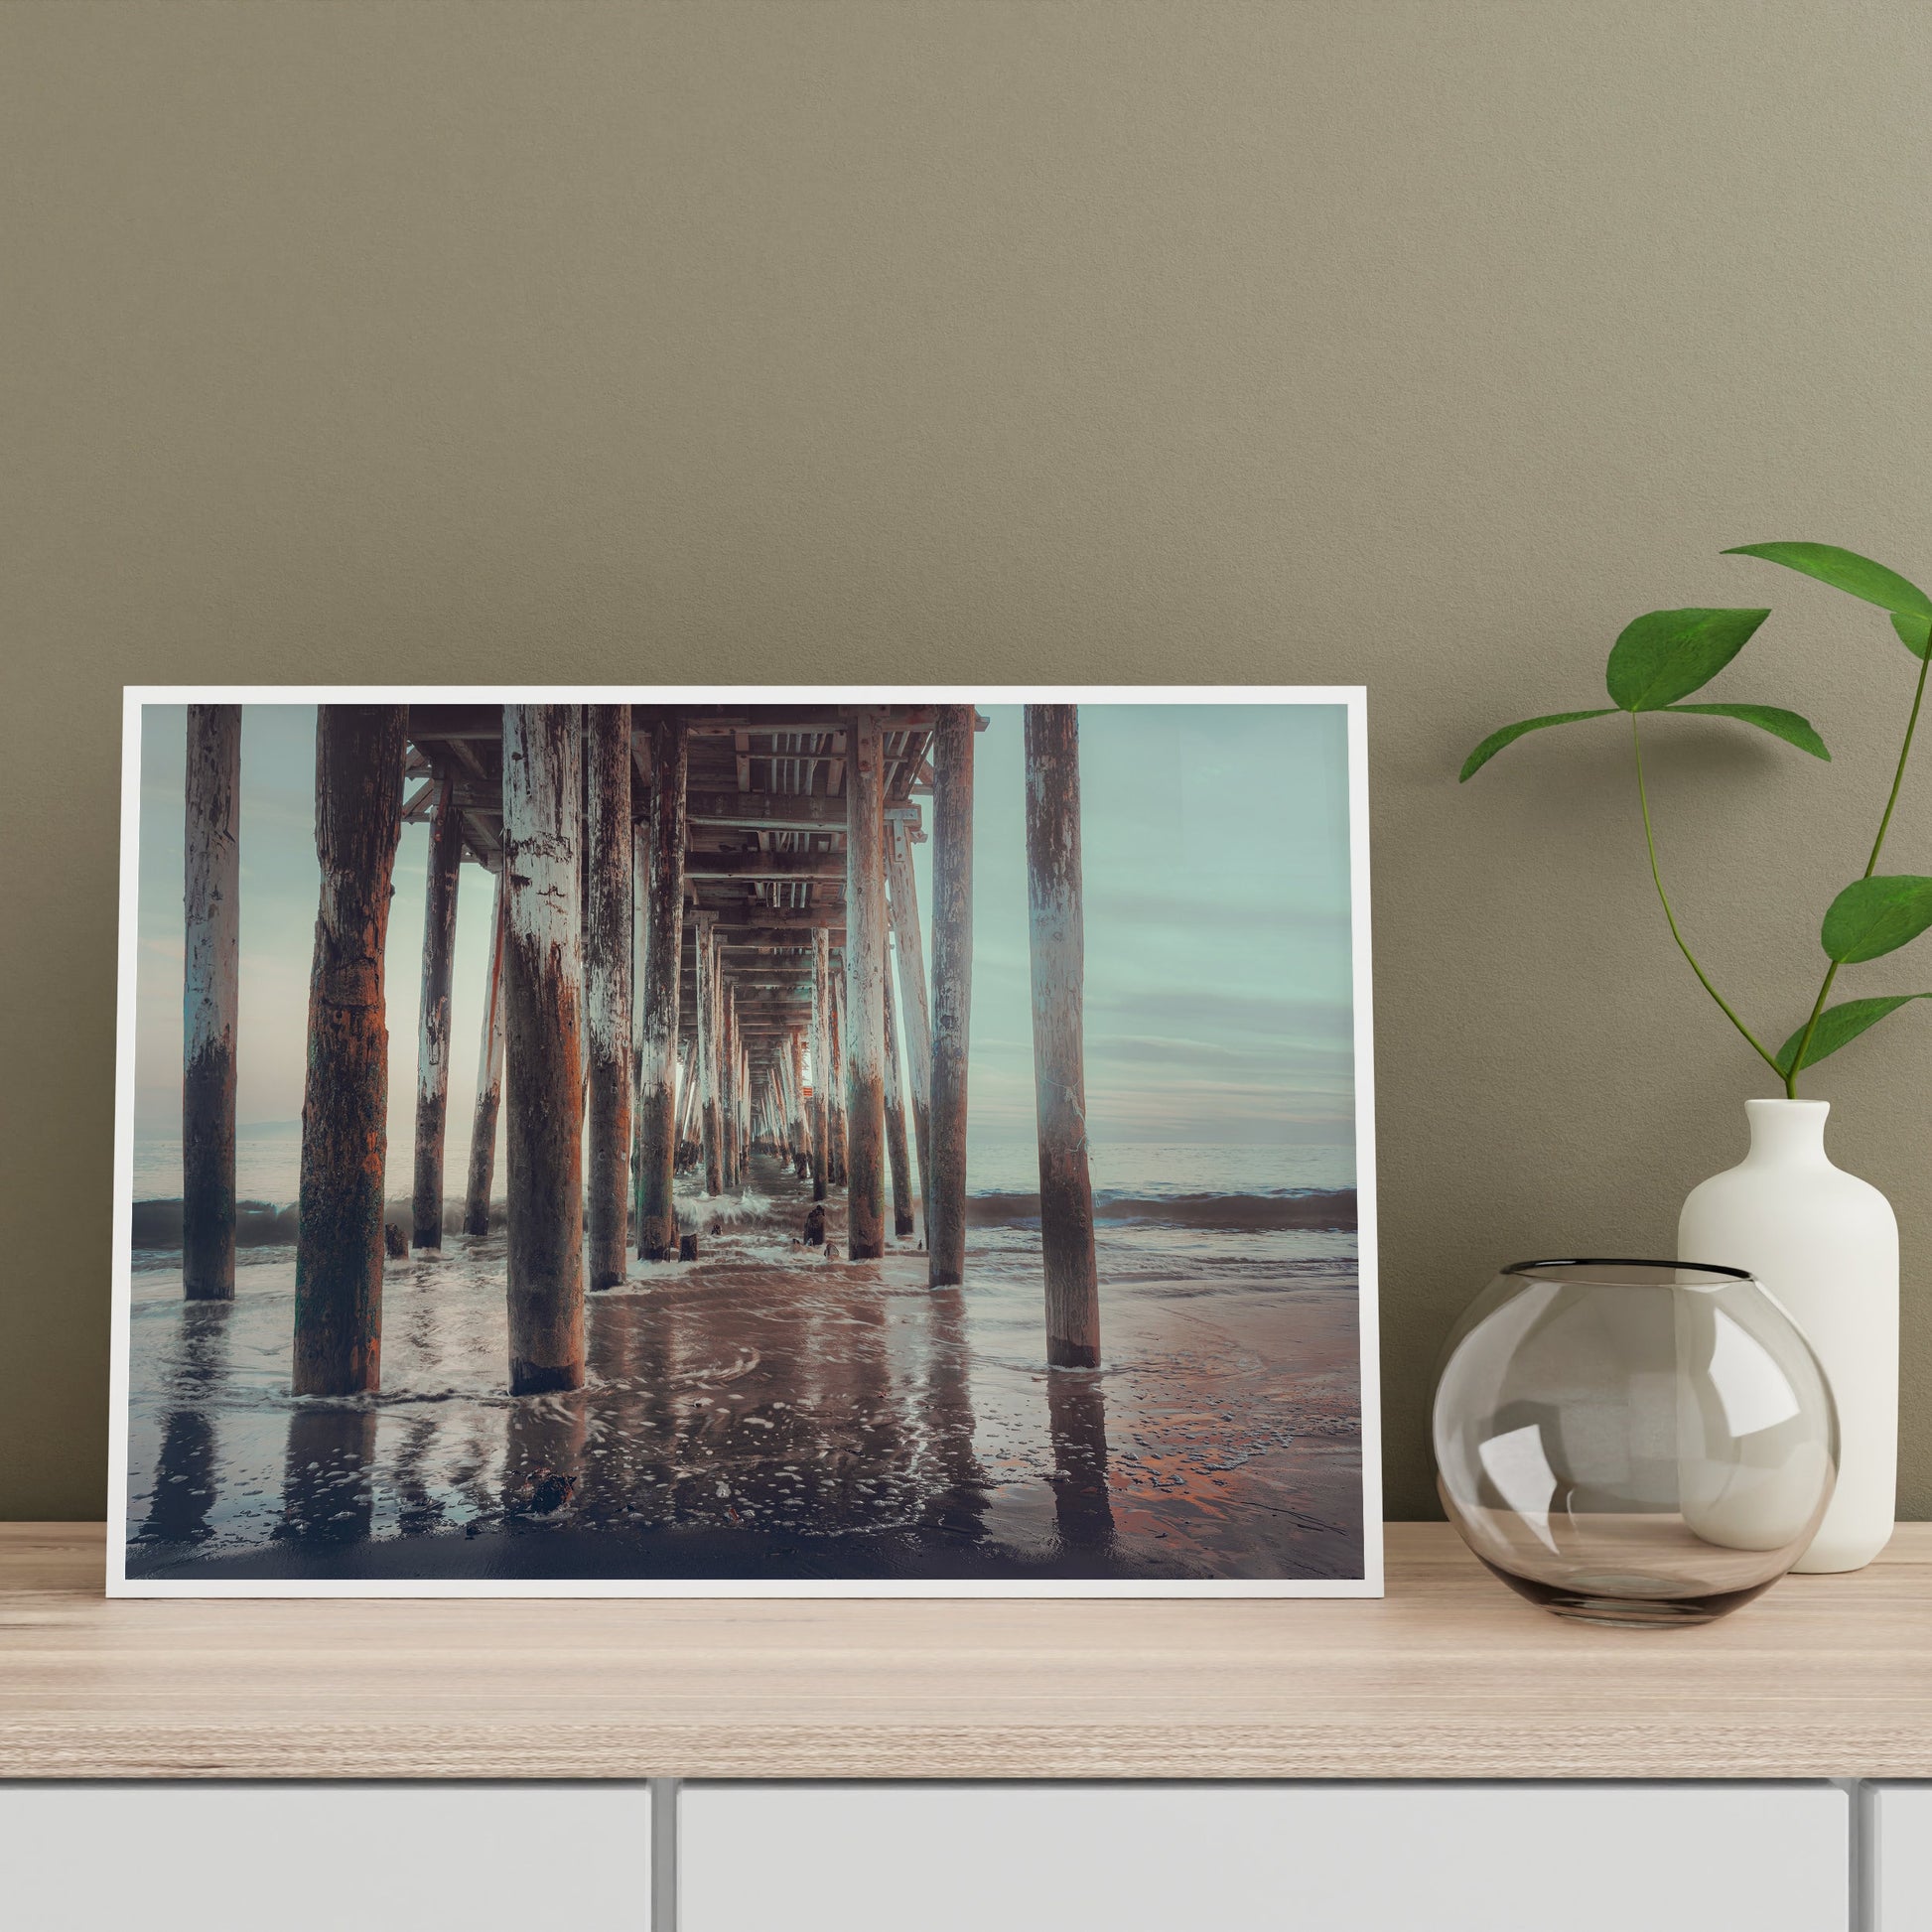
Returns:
<point x="726" y="1142"/>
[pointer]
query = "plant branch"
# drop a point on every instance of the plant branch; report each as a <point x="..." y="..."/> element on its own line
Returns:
<point x="1871" y="866"/>
<point x="1657" y="879"/>
<point x="1898" y="776"/>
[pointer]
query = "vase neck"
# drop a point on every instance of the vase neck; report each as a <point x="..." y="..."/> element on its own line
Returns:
<point x="1788" y="1129"/>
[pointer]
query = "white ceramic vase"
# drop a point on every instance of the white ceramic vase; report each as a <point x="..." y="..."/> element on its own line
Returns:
<point x="1825" y="1244"/>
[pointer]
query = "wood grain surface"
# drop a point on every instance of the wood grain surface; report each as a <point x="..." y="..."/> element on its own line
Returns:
<point x="1448" y="1677"/>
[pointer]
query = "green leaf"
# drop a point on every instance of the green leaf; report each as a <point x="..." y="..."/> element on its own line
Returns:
<point x="1786" y="725"/>
<point x="1509" y="734"/>
<point x="1667" y="654"/>
<point x="1914" y="631"/>
<point x="1875" y="916"/>
<point x="1844" y="570"/>
<point x="1838" y="1025"/>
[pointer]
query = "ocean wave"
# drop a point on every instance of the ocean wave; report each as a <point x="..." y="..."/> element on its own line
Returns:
<point x="157" y="1224"/>
<point x="257" y="1224"/>
<point x="263" y="1224"/>
<point x="1314" y="1207"/>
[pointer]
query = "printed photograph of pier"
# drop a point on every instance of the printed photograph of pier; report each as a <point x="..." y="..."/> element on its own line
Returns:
<point x="802" y="1142"/>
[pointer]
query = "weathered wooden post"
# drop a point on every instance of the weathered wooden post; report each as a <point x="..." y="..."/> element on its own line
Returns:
<point x="821" y="1060"/>
<point x="346" y="1096"/>
<point x="865" y="987"/>
<point x="443" y="868"/>
<point x="910" y="945"/>
<point x="835" y="1094"/>
<point x="490" y="1080"/>
<point x="720" y="1077"/>
<point x="210" y="991"/>
<point x="742" y="1075"/>
<point x="952" y="988"/>
<point x="726" y="1138"/>
<point x="607" y="941"/>
<point x="543" y="985"/>
<point x="801" y="1135"/>
<point x="705" y="953"/>
<point x="1058" y="955"/>
<point x="639" y="951"/>
<point x="727" y="1077"/>
<point x="895" y="1125"/>
<point x="780" y="1110"/>
<point x="737" y="1084"/>
<point x="687" y="1094"/>
<point x="663" y="963"/>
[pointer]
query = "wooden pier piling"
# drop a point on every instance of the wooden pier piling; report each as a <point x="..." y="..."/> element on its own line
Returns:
<point x="490" y="1080"/>
<point x="346" y="1096"/>
<point x="835" y="1081"/>
<point x="864" y="988"/>
<point x="705" y="953"/>
<point x="908" y="945"/>
<point x="543" y="997"/>
<point x="952" y="989"/>
<point x="687" y="1096"/>
<point x="729" y="1082"/>
<point x="444" y="869"/>
<point x="1058" y="961"/>
<point x="211" y="992"/>
<point x="639" y="949"/>
<point x="743" y="1107"/>
<point x="608" y="943"/>
<point x="903" y="1222"/>
<point x="663" y="958"/>
<point x="821" y="1062"/>
<point x="801" y="1134"/>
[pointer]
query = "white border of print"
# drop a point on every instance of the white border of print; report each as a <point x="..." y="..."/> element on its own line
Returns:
<point x="1354" y="696"/>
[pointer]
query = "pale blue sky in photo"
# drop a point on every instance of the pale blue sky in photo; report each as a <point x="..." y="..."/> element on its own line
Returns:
<point x="1218" y="990"/>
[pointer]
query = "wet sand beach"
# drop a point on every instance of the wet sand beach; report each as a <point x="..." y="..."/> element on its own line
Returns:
<point x="770" y="1413"/>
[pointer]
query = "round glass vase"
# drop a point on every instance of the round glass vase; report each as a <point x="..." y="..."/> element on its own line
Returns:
<point x="1641" y="1443"/>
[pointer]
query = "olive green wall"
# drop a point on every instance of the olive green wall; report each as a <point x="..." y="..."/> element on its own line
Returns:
<point x="1415" y="345"/>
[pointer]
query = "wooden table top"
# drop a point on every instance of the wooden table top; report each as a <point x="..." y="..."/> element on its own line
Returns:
<point x="1450" y="1676"/>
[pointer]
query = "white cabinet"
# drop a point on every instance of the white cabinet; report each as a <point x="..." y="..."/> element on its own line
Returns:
<point x="324" y="1858"/>
<point x="955" y="1857"/>
<point x="1901" y="1853"/>
<point x="1264" y="1858"/>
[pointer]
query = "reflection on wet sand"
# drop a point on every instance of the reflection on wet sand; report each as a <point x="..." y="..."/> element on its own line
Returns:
<point x="1076" y="1405"/>
<point x="770" y="1413"/>
<point x="327" y="1495"/>
<point x="185" y="1472"/>
<point x="543" y="1453"/>
<point x="821" y="1401"/>
<point x="955" y="1488"/>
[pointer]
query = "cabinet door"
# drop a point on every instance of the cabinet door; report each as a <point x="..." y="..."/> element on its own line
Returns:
<point x="1264" y="1858"/>
<point x="324" y="1858"/>
<point x="1902" y="1855"/>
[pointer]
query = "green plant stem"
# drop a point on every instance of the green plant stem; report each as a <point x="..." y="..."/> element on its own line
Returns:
<point x="1657" y="879"/>
<point x="1871" y="866"/>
